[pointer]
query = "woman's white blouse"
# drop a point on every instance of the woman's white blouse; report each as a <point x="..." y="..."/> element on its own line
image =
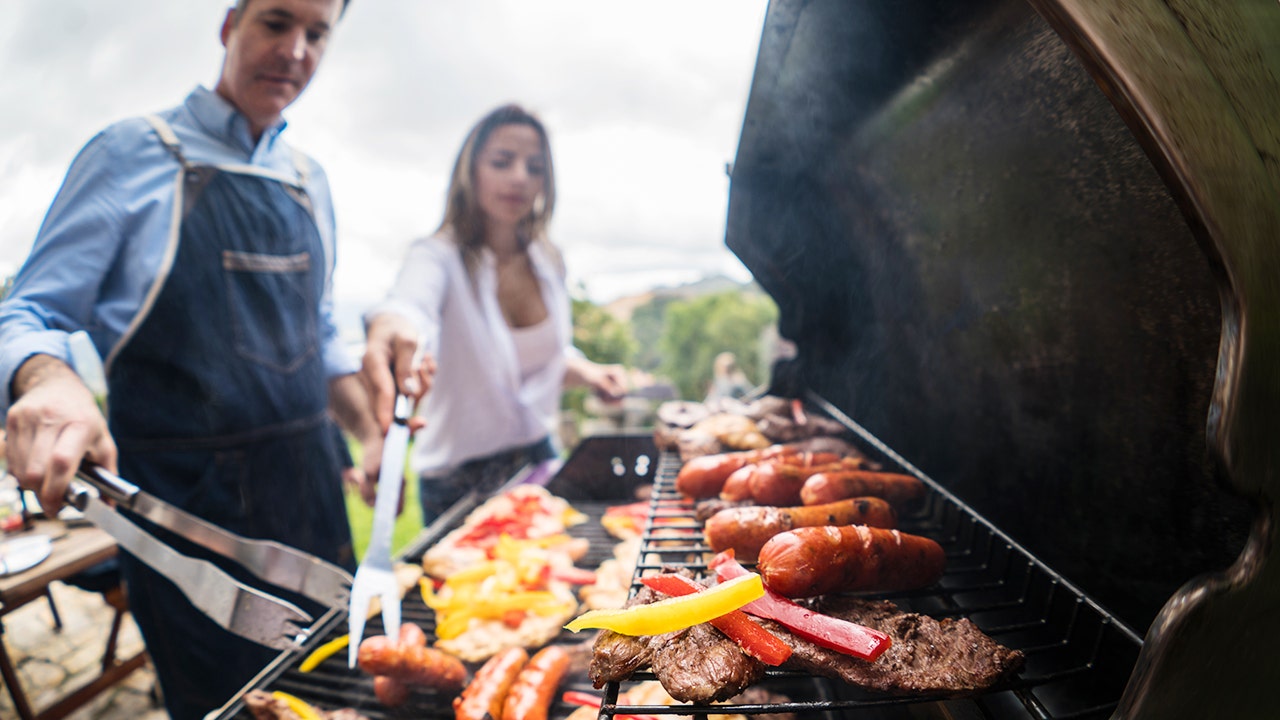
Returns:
<point x="481" y="400"/>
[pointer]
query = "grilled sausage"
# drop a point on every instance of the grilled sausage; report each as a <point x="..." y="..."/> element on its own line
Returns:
<point x="705" y="476"/>
<point x="745" y="529"/>
<point x="813" y="561"/>
<point x="411" y="635"/>
<point x="777" y="481"/>
<point x="390" y="691"/>
<point x="530" y="696"/>
<point x="702" y="477"/>
<point x="825" y="487"/>
<point x="737" y="487"/>
<point x="411" y="664"/>
<point x="483" y="697"/>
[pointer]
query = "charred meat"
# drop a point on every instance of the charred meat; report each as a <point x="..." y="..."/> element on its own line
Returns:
<point x="950" y="657"/>
<point x="697" y="664"/>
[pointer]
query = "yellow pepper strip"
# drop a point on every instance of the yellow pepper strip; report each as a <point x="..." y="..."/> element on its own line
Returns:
<point x="674" y="613"/>
<point x="298" y="705"/>
<point x="323" y="652"/>
<point x="476" y="573"/>
<point x="453" y="623"/>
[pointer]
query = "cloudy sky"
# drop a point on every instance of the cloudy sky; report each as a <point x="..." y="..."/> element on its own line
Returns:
<point x="643" y="101"/>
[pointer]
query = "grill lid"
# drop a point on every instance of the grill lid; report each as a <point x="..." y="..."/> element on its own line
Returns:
<point x="1032" y="247"/>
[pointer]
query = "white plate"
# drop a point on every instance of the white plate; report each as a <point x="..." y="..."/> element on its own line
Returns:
<point x="23" y="553"/>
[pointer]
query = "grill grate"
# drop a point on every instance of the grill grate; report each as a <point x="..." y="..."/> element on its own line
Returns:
<point x="1078" y="657"/>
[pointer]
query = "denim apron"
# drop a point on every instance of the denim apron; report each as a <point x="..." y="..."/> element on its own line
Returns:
<point x="218" y="405"/>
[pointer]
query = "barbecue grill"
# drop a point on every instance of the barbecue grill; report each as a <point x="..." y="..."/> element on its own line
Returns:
<point x="1025" y="251"/>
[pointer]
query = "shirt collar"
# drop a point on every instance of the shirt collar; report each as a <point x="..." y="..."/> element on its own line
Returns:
<point x="222" y="120"/>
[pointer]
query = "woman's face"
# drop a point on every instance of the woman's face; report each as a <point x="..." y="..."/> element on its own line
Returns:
<point x="510" y="173"/>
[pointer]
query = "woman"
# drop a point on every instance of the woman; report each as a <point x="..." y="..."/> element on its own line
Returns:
<point x="485" y="297"/>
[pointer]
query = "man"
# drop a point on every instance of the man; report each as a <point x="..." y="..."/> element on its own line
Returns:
<point x="196" y="249"/>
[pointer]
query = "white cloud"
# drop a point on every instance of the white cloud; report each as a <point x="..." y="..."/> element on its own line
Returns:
<point x="644" y="102"/>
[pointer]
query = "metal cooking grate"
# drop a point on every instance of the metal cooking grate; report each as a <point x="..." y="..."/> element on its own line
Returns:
<point x="332" y="685"/>
<point x="1078" y="657"/>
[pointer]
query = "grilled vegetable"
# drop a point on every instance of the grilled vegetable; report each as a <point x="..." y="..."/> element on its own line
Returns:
<point x="323" y="653"/>
<point x="840" y="635"/>
<point x="674" y="613"/>
<point x="753" y="639"/>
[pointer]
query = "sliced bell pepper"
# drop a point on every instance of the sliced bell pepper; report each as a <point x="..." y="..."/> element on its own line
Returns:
<point x="573" y="575"/>
<point x="323" y="653"/>
<point x="453" y="621"/>
<point x="674" y="613"/>
<point x="576" y="697"/>
<point x="300" y="707"/>
<point x="753" y="639"/>
<point x="839" y="635"/>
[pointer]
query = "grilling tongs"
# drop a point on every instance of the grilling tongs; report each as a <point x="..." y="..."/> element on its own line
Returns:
<point x="241" y="609"/>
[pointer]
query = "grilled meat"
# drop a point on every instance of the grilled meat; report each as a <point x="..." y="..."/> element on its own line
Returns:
<point x="698" y="664"/>
<point x="704" y="509"/>
<point x="928" y="656"/>
<point x="265" y="706"/>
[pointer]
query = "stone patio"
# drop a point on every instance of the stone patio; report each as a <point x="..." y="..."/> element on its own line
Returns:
<point x="50" y="662"/>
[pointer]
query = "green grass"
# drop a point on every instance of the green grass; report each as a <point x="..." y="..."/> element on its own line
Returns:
<point x="408" y="524"/>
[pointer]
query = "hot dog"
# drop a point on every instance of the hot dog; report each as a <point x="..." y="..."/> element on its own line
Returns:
<point x="745" y="529"/>
<point x="483" y="697"/>
<point x="411" y="663"/>
<point x="703" y="477"/>
<point x="777" y="481"/>
<point x="390" y="691"/>
<point x="825" y="487"/>
<point x="813" y="561"/>
<point x="530" y="695"/>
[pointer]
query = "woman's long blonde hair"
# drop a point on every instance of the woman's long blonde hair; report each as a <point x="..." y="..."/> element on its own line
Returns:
<point x="464" y="220"/>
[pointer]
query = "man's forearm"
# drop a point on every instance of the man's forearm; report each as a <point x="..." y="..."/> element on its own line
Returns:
<point x="35" y="370"/>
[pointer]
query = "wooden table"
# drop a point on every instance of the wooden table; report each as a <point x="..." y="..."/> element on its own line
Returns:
<point x="74" y="549"/>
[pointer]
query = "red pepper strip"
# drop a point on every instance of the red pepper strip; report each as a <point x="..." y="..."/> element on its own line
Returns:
<point x="753" y="639"/>
<point x="840" y="635"/>
<point x="797" y="411"/>
<point x="573" y="697"/>
<point x="573" y="575"/>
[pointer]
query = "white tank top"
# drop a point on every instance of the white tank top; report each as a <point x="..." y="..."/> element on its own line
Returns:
<point x="535" y="346"/>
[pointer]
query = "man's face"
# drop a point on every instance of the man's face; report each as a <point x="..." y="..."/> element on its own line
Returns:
<point x="273" y="49"/>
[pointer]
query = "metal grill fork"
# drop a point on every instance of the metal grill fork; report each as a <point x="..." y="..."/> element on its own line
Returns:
<point x="374" y="577"/>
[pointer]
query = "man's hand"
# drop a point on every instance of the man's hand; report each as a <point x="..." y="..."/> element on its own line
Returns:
<point x="51" y="428"/>
<point x="390" y="366"/>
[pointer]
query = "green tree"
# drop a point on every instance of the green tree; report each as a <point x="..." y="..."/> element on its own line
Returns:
<point x="603" y="339"/>
<point x="599" y="335"/>
<point x="698" y="329"/>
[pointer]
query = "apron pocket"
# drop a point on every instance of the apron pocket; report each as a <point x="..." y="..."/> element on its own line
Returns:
<point x="273" y="313"/>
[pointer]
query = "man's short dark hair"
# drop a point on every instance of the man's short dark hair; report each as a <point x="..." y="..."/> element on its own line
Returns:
<point x="240" y="5"/>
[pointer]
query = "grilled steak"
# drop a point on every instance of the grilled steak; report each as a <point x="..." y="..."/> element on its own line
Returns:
<point x="928" y="656"/>
<point x="698" y="664"/>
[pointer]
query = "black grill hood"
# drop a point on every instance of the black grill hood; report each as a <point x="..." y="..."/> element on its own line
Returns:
<point x="1035" y="247"/>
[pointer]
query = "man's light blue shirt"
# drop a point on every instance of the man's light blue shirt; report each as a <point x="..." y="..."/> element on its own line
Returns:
<point x="103" y="240"/>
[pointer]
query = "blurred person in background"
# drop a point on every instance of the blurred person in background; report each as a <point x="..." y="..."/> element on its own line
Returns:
<point x="727" y="379"/>
<point x="485" y="296"/>
<point x="197" y="249"/>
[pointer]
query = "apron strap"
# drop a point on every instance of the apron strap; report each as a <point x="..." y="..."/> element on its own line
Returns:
<point x="167" y="136"/>
<point x="301" y="165"/>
